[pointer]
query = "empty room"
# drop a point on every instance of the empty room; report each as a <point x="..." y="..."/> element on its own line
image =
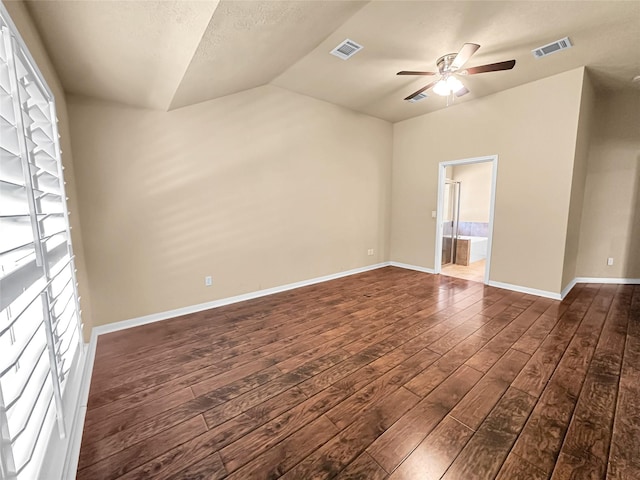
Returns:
<point x="318" y="239"/>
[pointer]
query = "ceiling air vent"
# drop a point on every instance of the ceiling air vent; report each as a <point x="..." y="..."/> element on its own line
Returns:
<point x="552" y="48"/>
<point x="346" y="49"/>
<point x="417" y="98"/>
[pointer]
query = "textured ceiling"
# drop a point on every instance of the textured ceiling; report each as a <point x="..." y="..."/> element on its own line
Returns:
<point x="169" y="54"/>
<point x="412" y="35"/>
<point x="133" y="52"/>
<point x="248" y="44"/>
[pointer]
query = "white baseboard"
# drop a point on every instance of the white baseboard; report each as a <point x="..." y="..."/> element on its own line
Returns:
<point x="75" y="440"/>
<point x="73" y="450"/>
<point x="156" y="317"/>
<point x="412" y="267"/>
<point x="567" y="289"/>
<point x="521" y="289"/>
<point x="619" y="281"/>
<point x="506" y="286"/>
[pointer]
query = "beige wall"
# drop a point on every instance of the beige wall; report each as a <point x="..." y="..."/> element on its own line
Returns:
<point x="475" y="191"/>
<point x="22" y="20"/>
<point x="532" y="128"/>
<point x="267" y="187"/>
<point x="611" y="213"/>
<point x="578" y="180"/>
<point x="257" y="189"/>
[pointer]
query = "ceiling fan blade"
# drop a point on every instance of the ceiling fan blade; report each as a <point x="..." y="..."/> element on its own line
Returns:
<point x="409" y="72"/>
<point x="461" y="92"/>
<point x="491" y="67"/>
<point x="415" y="94"/>
<point x="465" y="53"/>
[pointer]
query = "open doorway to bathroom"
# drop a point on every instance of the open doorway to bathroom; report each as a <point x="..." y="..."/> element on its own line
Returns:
<point x="466" y="198"/>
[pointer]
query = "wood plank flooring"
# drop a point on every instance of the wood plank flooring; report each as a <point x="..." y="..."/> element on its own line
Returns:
<point x="387" y="374"/>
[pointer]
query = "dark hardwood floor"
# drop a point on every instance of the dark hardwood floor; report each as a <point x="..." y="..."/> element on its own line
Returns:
<point x="386" y="374"/>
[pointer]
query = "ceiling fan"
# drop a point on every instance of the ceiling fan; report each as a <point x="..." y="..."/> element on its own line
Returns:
<point x="449" y="66"/>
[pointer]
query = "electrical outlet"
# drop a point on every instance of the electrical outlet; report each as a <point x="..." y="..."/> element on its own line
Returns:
<point x="610" y="261"/>
<point x="370" y="252"/>
<point x="208" y="281"/>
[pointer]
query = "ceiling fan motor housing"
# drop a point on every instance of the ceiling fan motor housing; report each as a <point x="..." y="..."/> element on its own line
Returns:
<point x="445" y="61"/>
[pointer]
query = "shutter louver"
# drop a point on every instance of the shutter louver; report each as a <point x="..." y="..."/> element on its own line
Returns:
<point x="40" y="329"/>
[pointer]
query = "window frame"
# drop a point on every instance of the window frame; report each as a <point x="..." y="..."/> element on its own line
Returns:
<point x="63" y="412"/>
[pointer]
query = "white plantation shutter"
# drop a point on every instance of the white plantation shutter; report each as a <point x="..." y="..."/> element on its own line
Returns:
<point x="40" y="329"/>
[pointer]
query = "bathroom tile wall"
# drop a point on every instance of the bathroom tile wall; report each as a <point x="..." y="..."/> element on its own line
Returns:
<point x="473" y="229"/>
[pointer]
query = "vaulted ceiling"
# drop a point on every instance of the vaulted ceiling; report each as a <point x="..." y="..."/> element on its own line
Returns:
<point x="169" y="54"/>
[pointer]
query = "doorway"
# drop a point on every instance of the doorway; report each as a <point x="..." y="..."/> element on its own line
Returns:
<point x="466" y="200"/>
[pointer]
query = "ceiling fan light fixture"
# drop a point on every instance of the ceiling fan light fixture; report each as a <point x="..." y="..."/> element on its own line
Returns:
<point x="454" y="84"/>
<point x="446" y="87"/>
<point x="449" y="66"/>
<point x="441" y="88"/>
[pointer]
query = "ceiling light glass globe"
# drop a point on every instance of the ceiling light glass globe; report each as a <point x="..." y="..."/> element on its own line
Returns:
<point x="454" y="84"/>
<point x="442" y="88"/>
